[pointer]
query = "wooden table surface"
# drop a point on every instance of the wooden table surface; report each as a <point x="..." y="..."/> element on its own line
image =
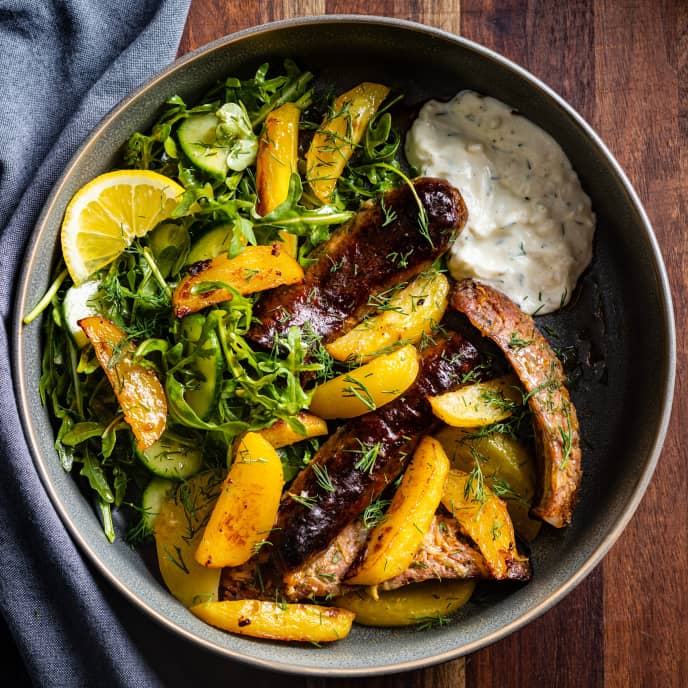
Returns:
<point x="624" y="66"/>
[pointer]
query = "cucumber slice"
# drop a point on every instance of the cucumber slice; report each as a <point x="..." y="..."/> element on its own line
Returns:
<point x="207" y="367"/>
<point x="154" y="496"/>
<point x="170" y="245"/>
<point x="169" y="458"/>
<point x="178" y="532"/>
<point x="214" y="242"/>
<point x="197" y="138"/>
<point x="78" y="304"/>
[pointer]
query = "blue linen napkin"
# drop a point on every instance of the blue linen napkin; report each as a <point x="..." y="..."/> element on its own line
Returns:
<point x="63" y="65"/>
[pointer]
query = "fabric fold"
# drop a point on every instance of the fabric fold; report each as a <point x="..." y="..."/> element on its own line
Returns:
<point x="66" y="63"/>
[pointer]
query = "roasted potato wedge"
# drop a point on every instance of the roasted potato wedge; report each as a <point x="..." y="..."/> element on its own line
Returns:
<point x="247" y="506"/>
<point x="277" y="155"/>
<point x="136" y="387"/>
<point x="276" y="162"/>
<point x="178" y="529"/>
<point x="281" y="435"/>
<point x="338" y="135"/>
<point x="418" y="603"/>
<point x="408" y="315"/>
<point x="484" y="518"/>
<point x="294" y="622"/>
<point x="479" y="403"/>
<point x="507" y="466"/>
<point x="368" y="387"/>
<point x="256" y="268"/>
<point x="394" y="542"/>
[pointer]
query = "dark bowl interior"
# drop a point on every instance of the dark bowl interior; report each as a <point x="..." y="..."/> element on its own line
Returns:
<point x="620" y="323"/>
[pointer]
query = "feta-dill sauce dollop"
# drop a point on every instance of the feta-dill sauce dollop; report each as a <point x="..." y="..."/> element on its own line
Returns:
<point x="530" y="225"/>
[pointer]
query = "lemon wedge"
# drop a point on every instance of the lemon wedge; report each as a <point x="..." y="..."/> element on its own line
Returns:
<point x="107" y="213"/>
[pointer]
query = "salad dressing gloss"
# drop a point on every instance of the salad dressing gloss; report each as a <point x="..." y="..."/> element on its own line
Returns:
<point x="530" y="224"/>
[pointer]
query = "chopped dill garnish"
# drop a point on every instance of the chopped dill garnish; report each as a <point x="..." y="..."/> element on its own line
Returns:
<point x="366" y="462"/>
<point x="475" y="485"/>
<point x="304" y="500"/>
<point x="517" y="342"/>
<point x="374" y="513"/>
<point x="323" y="477"/>
<point x="357" y="389"/>
<point x="427" y="622"/>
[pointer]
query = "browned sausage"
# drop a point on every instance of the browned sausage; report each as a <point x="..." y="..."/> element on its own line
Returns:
<point x="555" y="422"/>
<point x="383" y="245"/>
<point x="363" y="456"/>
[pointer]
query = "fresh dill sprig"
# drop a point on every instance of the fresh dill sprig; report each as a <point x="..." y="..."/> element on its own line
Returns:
<point x="368" y="456"/>
<point x="427" y="622"/>
<point x="304" y="500"/>
<point x="374" y="513"/>
<point x="356" y="388"/>
<point x="322" y="476"/>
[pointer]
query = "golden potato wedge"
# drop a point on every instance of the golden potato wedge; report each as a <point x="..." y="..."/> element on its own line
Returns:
<point x="479" y="403"/>
<point x="256" y="268"/>
<point x="418" y="603"/>
<point x="393" y="543"/>
<point x="281" y="435"/>
<point x="339" y="134"/>
<point x="277" y="156"/>
<point x="368" y="387"/>
<point x="507" y="465"/>
<point x="409" y="315"/>
<point x="178" y="529"/>
<point x="527" y="527"/>
<point x="247" y="506"/>
<point x="137" y="388"/>
<point x="293" y="622"/>
<point x="278" y="151"/>
<point x="484" y="518"/>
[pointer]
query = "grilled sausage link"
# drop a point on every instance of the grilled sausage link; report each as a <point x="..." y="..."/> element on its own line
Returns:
<point x="363" y="456"/>
<point x="381" y="246"/>
<point x="555" y="422"/>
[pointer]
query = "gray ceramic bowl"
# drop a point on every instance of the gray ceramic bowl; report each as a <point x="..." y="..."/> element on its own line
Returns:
<point x="621" y="324"/>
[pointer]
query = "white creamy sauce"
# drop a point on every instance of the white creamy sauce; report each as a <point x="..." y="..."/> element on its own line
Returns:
<point x="530" y="225"/>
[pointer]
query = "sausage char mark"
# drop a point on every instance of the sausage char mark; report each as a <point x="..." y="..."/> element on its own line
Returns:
<point x="381" y="246"/>
<point x="363" y="456"/>
<point x="555" y="423"/>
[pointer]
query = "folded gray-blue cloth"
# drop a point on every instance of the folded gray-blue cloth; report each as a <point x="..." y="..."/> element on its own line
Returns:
<point x="63" y="65"/>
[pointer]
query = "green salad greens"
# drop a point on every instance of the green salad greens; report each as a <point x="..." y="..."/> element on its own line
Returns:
<point x="217" y="385"/>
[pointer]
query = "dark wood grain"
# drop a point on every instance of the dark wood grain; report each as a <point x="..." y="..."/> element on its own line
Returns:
<point x="550" y="40"/>
<point x="646" y="634"/>
<point x="623" y="65"/>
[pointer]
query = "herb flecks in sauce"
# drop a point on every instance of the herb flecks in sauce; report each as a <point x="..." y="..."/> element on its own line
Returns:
<point x="530" y="225"/>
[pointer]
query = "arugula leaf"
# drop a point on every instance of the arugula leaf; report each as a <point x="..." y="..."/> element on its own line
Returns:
<point x="254" y="387"/>
<point x="93" y="471"/>
<point x="260" y="95"/>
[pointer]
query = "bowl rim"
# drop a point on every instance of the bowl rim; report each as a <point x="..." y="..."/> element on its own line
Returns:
<point x="22" y="299"/>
